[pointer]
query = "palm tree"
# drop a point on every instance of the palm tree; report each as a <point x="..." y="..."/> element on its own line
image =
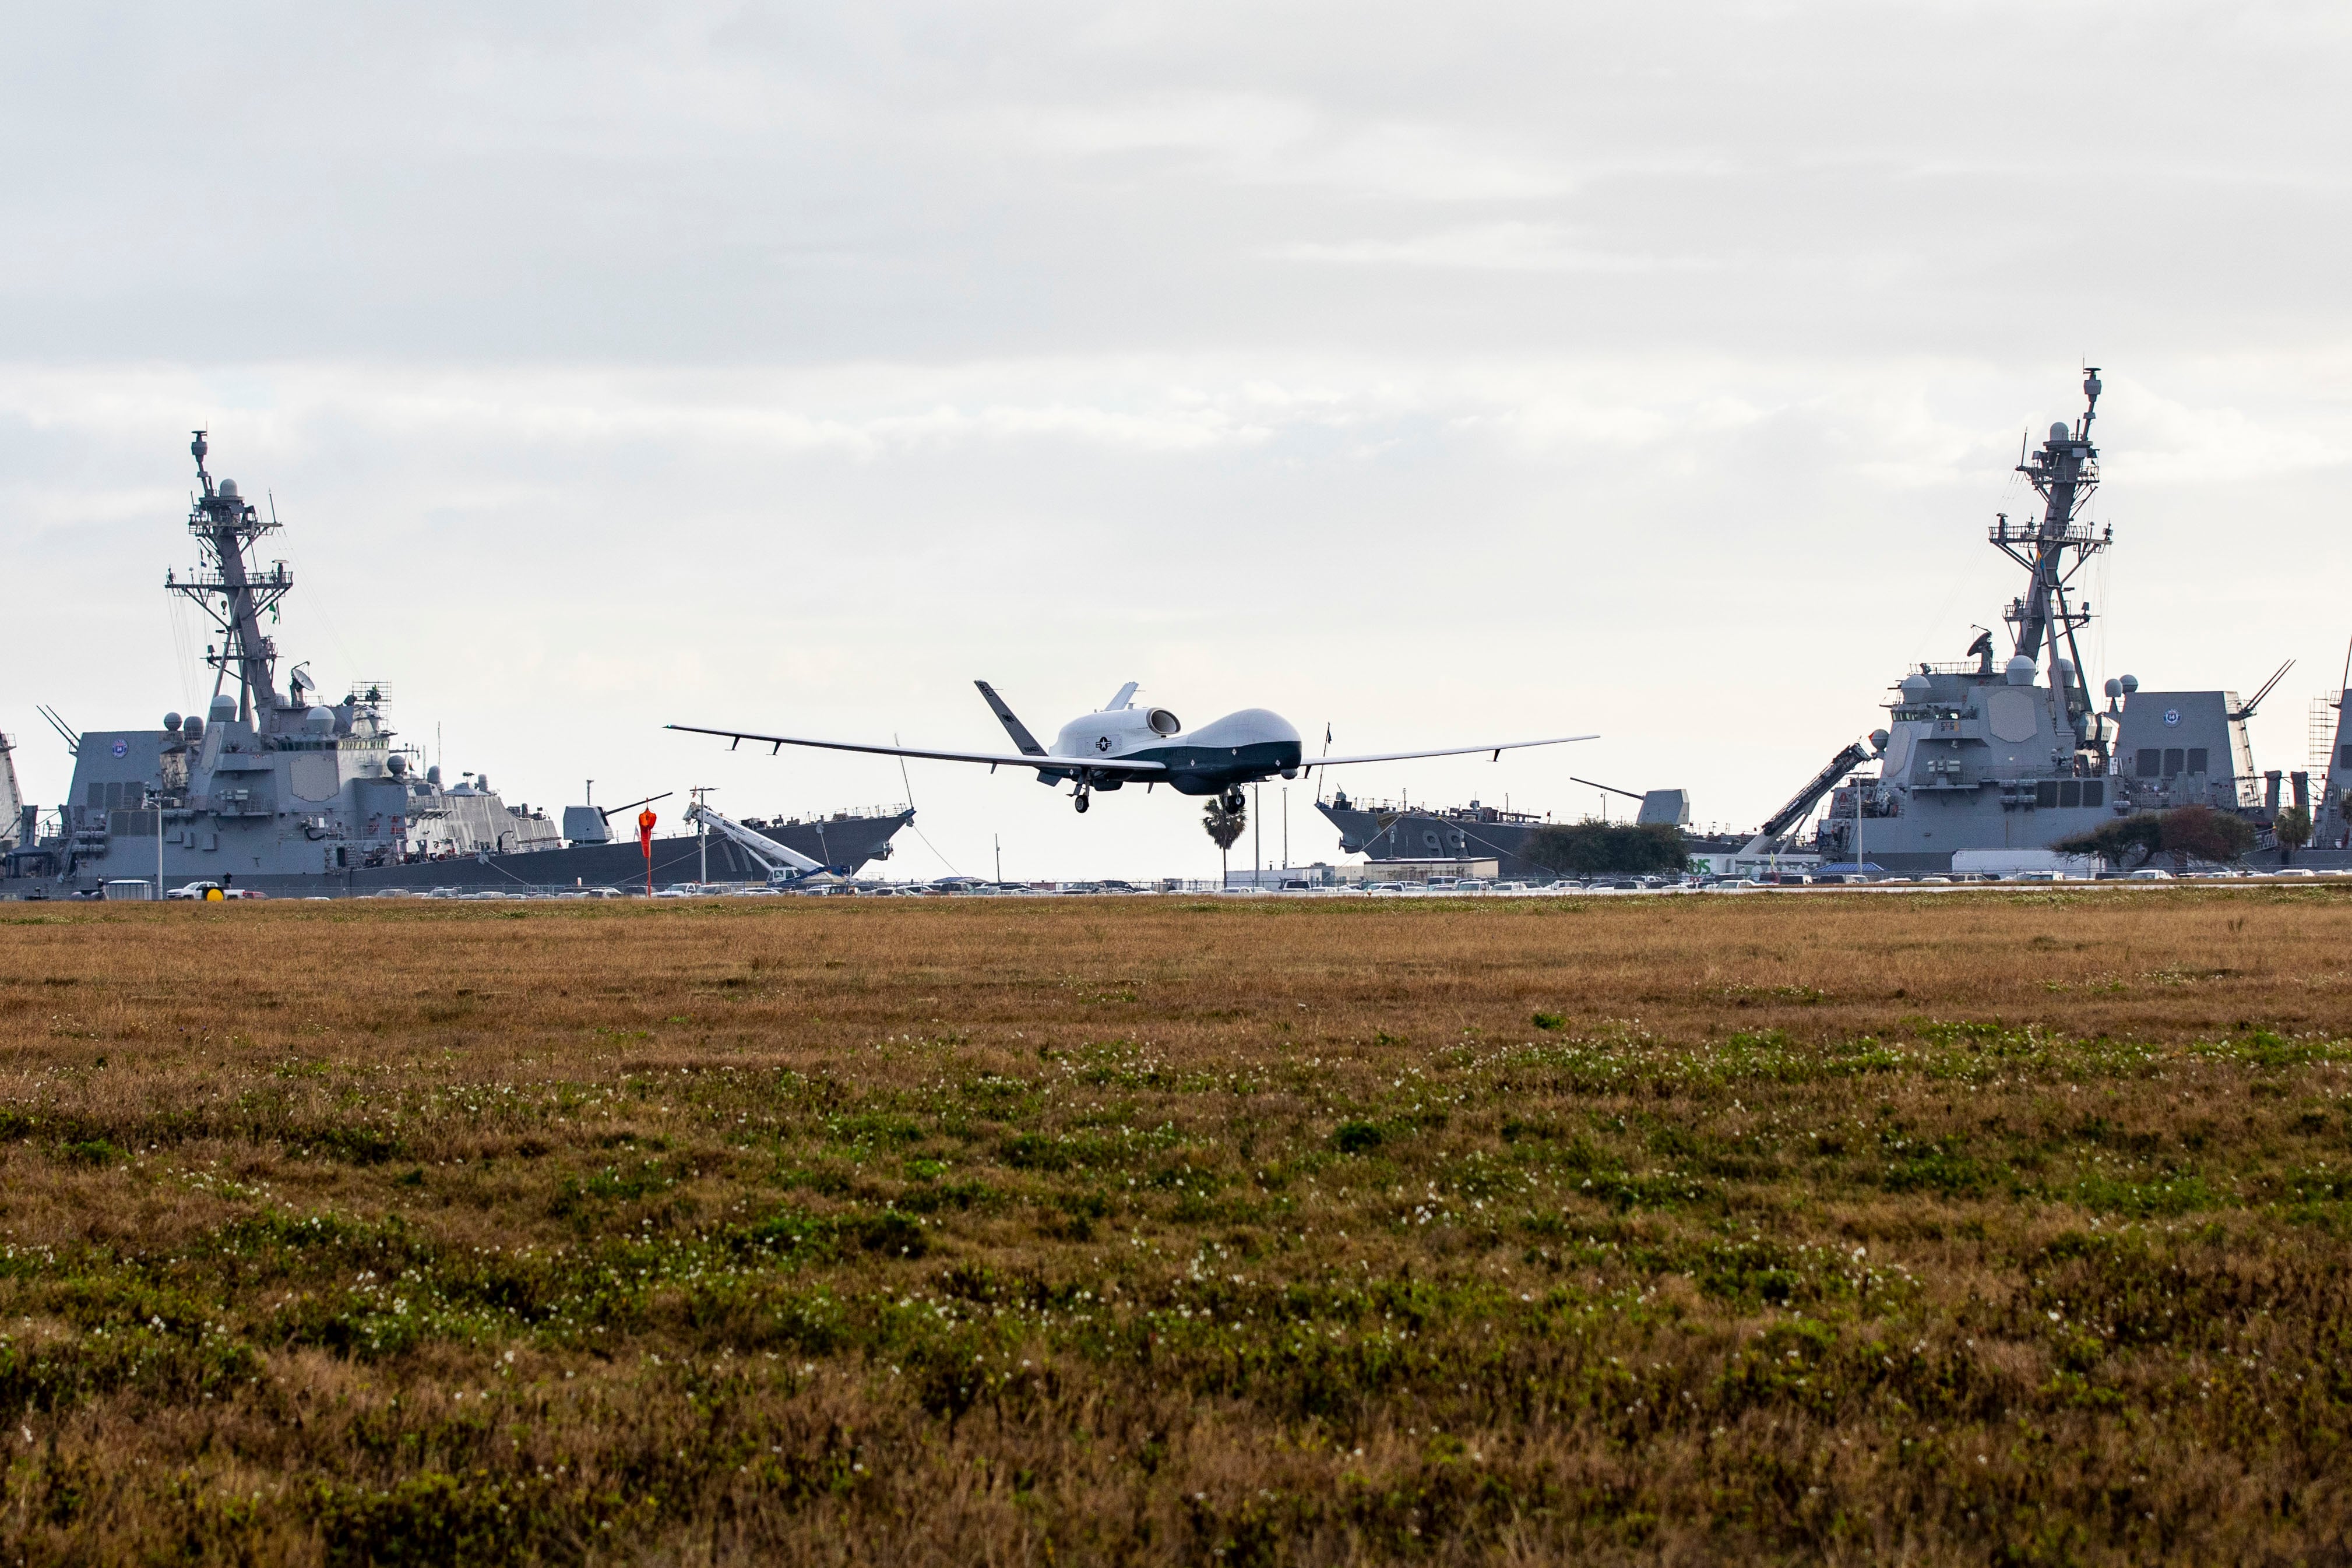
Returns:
<point x="2293" y="830"/>
<point x="1225" y="828"/>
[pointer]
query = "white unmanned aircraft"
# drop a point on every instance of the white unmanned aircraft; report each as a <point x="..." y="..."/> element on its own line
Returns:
<point x="1123" y="743"/>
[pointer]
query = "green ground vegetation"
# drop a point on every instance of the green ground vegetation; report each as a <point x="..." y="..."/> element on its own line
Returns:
<point x="1980" y="1228"/>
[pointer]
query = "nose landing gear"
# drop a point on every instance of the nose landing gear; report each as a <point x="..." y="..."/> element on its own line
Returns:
<point x="1081" y="802"/>
<point x="1234" y="801"/>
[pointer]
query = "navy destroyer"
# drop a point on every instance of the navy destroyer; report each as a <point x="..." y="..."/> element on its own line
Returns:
<point x="275" y="790"/>
<point x="1991" y="755"/>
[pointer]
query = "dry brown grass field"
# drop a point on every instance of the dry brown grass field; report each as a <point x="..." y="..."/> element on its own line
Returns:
<point x="1982" y="1228"/>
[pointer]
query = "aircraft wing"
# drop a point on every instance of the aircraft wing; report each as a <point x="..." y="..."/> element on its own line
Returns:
<point x="1044" y="761"/>
<point x="1497" y="748"/>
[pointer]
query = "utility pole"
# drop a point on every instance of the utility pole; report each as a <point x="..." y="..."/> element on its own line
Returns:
<point x="1257" y="826"/>
<point x="158" y="799"/>
<point x="998" y="840"/>
<point x="1285" y="827"/>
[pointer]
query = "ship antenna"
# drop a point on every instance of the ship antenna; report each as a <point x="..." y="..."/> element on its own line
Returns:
<point x="2246" y="710"/>
<point x="2092" y="388"/>
<point x="197" y="449"/>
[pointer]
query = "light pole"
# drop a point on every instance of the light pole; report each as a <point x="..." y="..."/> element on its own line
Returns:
<point x="1858" y="872"/>
<point x="156" y="798"/>
<point x="703" y="836"/>
<point x="1257" y="829"/>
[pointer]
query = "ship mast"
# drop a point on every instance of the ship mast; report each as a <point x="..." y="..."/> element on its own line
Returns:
<point x="2064" y="473"/>
<point x="234" y="592"/>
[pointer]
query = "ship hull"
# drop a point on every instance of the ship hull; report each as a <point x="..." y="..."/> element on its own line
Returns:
<point x="850" y="842"/>
<point x="1472" y="835"/>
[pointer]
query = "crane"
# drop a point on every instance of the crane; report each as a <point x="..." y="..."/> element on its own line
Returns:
<point x="785" y="866"/>
<point x="1777" y="829"/>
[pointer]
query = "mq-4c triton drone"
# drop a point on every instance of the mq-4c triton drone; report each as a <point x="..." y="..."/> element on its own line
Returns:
<point x="1123" y="743"/>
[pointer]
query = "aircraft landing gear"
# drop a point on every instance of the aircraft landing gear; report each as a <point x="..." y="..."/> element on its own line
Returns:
<point x="1082" y="800"/>
<point x="1234" y="801"/>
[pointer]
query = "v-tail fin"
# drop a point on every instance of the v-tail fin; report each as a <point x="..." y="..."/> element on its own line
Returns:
<point x="1012" y="727"/>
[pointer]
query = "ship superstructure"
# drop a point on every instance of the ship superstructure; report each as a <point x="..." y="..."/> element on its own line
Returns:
<point x="270" y="780"/>
<point x="2016" y="754"/>
<point x="17" y="824"/>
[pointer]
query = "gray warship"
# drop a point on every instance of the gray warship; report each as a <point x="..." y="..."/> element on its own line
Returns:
<point x="2005" y="755"/>
<point x="277" y="791"/>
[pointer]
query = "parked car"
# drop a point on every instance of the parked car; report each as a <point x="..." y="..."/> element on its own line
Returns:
<point x="196" y="890"/>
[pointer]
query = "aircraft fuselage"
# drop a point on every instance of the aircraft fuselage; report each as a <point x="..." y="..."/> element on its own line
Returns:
<point x="1221" y="755"/>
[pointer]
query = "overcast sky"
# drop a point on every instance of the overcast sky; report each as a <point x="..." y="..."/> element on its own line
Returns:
<point x="1440" y="373"/>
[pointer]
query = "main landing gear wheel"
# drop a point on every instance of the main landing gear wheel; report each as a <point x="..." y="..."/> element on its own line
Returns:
<point x="1234" y="801"/>
<point x="1082" y="802"/>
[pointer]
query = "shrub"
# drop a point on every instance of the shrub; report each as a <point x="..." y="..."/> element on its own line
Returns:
<point x="2186" y="834"/>
<point x="1622" y="849"/>
<point x="2120" y="842"/>
<point x="2201" y="833"/>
